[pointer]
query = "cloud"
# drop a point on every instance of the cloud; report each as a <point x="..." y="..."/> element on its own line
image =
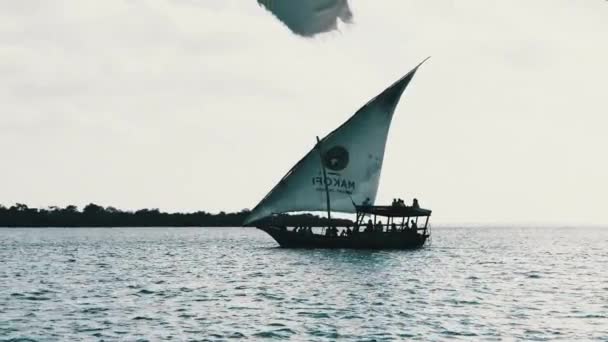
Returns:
<point x="310" y="17"/>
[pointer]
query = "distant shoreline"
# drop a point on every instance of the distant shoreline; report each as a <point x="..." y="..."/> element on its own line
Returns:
<point x="96" y="216"/>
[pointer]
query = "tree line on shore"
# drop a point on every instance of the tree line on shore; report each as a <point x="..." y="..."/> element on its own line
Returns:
<point x="93" y="215"/>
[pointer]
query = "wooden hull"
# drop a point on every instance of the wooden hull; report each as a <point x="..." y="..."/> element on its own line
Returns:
<point x="391" y="240"/>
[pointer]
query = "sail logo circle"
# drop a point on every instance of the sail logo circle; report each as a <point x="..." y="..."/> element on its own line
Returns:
<point x="336" y="158"/>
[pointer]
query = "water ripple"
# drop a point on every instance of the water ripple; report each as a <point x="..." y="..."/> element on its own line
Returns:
<point x="219" y="284"/>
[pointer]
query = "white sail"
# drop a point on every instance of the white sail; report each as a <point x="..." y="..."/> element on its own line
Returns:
<point x="352" y="155"/>
<point x="309" y="17"/>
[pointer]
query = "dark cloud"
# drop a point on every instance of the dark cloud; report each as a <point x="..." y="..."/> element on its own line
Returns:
<point x="309" y="17"/>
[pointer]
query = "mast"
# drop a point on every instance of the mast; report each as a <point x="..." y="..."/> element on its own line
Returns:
<point x="324" y="182"/>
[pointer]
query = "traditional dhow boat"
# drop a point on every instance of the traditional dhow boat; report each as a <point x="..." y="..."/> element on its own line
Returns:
<point x="341" y="174"/>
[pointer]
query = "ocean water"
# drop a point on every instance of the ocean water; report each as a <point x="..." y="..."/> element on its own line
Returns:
<point x="186" y="284"/>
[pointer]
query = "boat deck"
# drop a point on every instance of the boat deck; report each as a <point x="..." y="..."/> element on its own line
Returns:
<point x="407" y="239"/>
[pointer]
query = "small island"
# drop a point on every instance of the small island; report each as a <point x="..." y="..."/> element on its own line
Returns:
<point x="93" y="215"/>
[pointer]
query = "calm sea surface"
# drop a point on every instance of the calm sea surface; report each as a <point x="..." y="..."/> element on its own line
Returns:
<point x="219" y="284"/>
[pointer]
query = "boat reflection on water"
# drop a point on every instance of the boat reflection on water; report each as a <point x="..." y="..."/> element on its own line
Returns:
<point x="309" y="17"/>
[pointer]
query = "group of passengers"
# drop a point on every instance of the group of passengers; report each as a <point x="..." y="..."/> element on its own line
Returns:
<point x="303" y="230"/>
<point x="398" y="202"/>
<point x="370" y="227"/>
<point x="378" y="227"/>
<point x="334" y="232"/>
<point x="331" y="232"/>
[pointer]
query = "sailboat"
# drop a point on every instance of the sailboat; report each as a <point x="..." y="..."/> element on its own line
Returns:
<point x="341" y="173"/>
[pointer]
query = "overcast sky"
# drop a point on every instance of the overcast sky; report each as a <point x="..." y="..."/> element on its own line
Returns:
<point x="205" y="104"/>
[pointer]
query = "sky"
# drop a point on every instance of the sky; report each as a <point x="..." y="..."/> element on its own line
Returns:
<point x="190" y="105"/>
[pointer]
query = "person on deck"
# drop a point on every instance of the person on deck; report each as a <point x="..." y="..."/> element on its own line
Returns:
<point x="415" y="203"/>
<point x="370" y="227"/>
<point x="393" y="227"/>
<point x="407" y="225"/>
<point x="379" y="227"/>
<point x="414" y="226"/>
